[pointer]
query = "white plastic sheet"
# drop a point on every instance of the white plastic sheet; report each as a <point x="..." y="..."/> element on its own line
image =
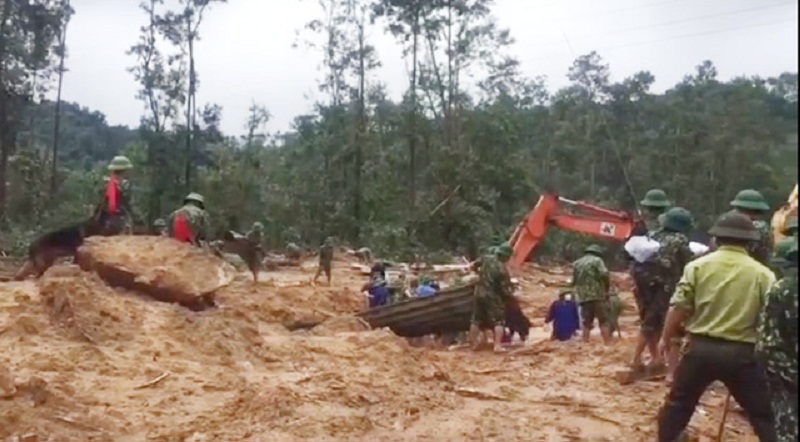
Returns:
<point x="698" y="248"/>
<point x="641" y="248"/>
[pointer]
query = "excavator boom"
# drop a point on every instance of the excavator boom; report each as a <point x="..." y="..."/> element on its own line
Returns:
<point x="582" y="217"/>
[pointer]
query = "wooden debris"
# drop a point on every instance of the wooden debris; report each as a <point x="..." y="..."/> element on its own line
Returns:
<point x="154" y="381"/>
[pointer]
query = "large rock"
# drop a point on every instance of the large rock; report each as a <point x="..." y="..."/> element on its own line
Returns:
<point x="161" y="267"/>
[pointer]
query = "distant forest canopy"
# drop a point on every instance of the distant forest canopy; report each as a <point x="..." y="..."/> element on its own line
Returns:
<point x="444" y="170"/>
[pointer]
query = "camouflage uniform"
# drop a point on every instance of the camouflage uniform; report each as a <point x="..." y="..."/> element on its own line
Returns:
<point x="777" y="347"/>
<point x="590" y="277"/>
<point x="491" y="294"/>
<point x="197" y="218"/>
<point x="121" y="221"/>
<point x="326" y="257"/>
<point x="760" y="250"/>
<point x="614" y="307"/>
<point x="293" y="251"/>
<point x="253" y="253"/>
<point x="667" y="267"/>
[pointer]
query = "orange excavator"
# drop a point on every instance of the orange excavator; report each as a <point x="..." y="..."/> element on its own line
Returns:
<point x="566" y="214"/>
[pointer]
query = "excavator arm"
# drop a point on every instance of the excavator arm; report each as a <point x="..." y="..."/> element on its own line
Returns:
<point x="581" y="217"/>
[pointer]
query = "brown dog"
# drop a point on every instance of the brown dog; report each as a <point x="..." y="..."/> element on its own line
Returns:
<point x="45" y="250"/>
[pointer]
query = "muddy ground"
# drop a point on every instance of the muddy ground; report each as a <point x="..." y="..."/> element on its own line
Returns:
<point x="83" y="362"/>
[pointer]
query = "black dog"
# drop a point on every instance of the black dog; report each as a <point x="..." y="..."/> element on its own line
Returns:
<point x="45" y="250"/>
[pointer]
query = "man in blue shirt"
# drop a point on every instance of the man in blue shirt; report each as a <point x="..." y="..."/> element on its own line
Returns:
<point x="564" y="316"/>
<point x="425" y="288"/>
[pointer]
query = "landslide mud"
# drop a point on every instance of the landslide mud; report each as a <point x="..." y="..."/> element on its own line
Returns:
<point x="82" y="361"/>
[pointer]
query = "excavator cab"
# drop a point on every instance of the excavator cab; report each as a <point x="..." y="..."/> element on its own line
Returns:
<point x="566" y="214"/>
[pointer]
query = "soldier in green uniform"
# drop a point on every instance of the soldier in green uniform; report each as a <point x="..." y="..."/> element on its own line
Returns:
<point x="252" y="252"/>
<point x="115" y="213"/>
<point x="591" y="281"/>
<point x="160" y="227"/>
<point x="191" y="222"/>
<point x="752" y="204"/>
<point x="293" y="251"/>
<point x="672" y="257"/>
<point x="655" y="203"/>
<point x="491" y="295"/>
<point x="325" y="260"/>
<point x="777" y="343"/>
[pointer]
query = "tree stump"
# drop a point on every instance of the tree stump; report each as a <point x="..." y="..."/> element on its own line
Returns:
<point x="160" y="267"/>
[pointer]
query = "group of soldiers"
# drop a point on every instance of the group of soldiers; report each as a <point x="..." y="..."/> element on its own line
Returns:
<point x="721" y="316"/>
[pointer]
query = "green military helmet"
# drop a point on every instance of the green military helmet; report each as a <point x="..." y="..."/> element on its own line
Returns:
<point x="655" y="198"/>
<point x="120" y="163"/>
<point x="258" y="226"/>
<point x="734" y="225"/>
<point x="504" y="251"/>
<point x="159" y="223"/>
<point x="196" y="198"/>
<point x="678" y="220"/>
<point x="791" y="227"/>
<point x="594" y="249"/>
<point x="750" y="199"/>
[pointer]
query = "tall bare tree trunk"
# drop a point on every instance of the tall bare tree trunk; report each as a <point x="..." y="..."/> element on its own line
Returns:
<point x="57" y="118"/>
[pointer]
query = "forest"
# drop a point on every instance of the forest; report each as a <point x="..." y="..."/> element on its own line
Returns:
<point x="449" y="168"/>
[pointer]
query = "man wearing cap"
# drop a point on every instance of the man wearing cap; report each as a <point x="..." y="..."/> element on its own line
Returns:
<point x="777" y="342"/>
<point x="491" y="295"/>
<point x="115" y="212"/>
<point x="719" y="298"/>
<point x="591" y="281"/>
<point x="655" y="203"/>
<point x="190" y="223"/>
<point x="752" y="204"/>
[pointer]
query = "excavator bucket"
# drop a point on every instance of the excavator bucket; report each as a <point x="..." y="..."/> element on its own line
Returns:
<point x="782" y="216"/>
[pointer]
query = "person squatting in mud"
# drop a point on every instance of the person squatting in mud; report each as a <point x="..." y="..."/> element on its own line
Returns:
<point x="190" y="223"/>
<point x="115" y="213"/>
<point x="591" y="283"/>
<point x="563" y="314"/>
<point x="325" y="260"/>
<point x="719" y="299"/>
<point x="490" y="298"/>
<point x="776" y="346"/>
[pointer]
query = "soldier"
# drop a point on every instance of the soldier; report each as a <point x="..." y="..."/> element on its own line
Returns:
<point x="293" y="251"/>
<point x="778" y="261"/>
<point x="655" y="203"/>
<point x="673" y="255"/>
<point x="115" y="212"/>
<point x="491" y="294"/>
<point x="777" y="344"/>
<point x="190" y="223"/>
<point x="590" y="278"/>
<point x="752" y="204"/>
<point x="252" y="252"/>
<point x="325" y="260"/>
<point x="719" y="299"/>
<point x="160" y="227"/>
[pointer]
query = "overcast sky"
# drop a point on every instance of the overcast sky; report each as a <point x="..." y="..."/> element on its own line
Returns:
<point x="246" y="50"/>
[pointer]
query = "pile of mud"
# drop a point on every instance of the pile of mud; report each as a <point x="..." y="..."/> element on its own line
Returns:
<point x="85" y="361"/>
<point x="163" y="268"/>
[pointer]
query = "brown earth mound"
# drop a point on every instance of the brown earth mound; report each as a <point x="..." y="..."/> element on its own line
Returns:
<point x="158" y="266"/>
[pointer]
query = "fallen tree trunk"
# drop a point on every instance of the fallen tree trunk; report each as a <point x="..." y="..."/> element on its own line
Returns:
<point x="161" y="267"/>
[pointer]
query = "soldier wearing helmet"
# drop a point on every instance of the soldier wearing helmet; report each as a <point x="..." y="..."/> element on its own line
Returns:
<point x="719" y="299"/>
<point x="190" y="223"/>
<point x="752" y="204"/>
<point x="115" y="213"/>
<point x="673" y="255"/>
<point x="777" y="340"/>
<point x="325" y="260"/>
<point x="491" y="294"/>
<point x="591" y="280"/>
<point x="655" y="203"/>
<point x="160" y="227"/>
